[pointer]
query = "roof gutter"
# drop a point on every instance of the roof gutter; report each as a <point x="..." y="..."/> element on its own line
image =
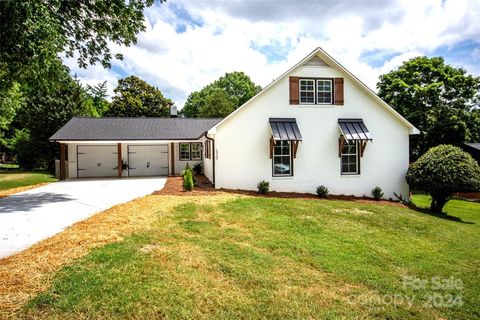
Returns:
<point x="213" y="157"/>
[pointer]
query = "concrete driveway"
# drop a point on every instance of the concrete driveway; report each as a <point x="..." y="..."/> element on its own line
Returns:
<point x="30" y="216"/>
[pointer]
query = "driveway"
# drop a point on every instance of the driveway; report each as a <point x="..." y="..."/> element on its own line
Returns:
<point x="30" y="216"/>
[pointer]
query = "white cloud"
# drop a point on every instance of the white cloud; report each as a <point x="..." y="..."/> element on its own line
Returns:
<point x="265" y="38"/>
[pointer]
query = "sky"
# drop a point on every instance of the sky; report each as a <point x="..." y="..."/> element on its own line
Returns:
<point x="188" y="44"/>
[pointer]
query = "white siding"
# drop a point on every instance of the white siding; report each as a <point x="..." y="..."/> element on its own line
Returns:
<point x="242" y="143"/>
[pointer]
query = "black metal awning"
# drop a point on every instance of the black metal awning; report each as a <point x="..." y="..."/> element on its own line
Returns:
<point x="354" y="130"/>
<point x="285" y="129"/>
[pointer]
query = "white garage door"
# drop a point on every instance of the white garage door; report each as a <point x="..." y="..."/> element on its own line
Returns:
<point x="97" y="161"/>
<point x="151" y="160"/>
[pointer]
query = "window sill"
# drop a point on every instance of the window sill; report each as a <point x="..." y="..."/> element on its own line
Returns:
<point x="317" y="106"/>
<point x="282" y="177"/>
<point x="356" y="175"/>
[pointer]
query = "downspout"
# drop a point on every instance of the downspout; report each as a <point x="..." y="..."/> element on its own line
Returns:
<point x="213" y="158"/>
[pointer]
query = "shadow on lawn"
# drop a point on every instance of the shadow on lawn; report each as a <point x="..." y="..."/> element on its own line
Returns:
<point x="443" y="216"/>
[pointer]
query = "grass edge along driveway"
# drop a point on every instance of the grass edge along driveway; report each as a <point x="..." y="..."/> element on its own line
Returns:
<point x="14" y="181"/>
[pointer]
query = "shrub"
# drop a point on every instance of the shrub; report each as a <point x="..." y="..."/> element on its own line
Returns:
<point x="322" y="191"/>
<point x="188" y="180"/>
<point x="442" y="171"/>
<point x="263" y="187"/>
<point x="198" y="168"/>
<point x="377" y="193"/>
<point x="187" y="168"/>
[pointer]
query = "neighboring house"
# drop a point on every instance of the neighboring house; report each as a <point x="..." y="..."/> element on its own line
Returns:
<point x="317" y="124"/>
<point x="473" y="149"/>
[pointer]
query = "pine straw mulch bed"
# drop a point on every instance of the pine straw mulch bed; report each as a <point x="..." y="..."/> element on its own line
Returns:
<point x="9" y="192"/>
<point x="26" y="274"/>
<point x="174" y="186"/>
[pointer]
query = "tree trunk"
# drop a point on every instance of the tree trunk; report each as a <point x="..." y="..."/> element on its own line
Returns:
<point x="438" y="202"/>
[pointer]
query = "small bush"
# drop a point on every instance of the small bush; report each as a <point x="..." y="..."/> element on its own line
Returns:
<point x="263" y="187"/>
<point x="377" y="193"/>
<point x="322" y="191"/>
<point x="198" y="168"/>
<point x="188" y="180"/>
<point x="187" y="168"/>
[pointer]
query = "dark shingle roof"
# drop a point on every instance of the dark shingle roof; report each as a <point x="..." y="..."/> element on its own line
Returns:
<point x="473" y="145"/>
<point x="133" y="129"/>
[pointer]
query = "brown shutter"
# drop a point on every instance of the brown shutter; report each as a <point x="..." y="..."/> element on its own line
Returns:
<point x="338" y="91"/>
<point x="294" y="90"/>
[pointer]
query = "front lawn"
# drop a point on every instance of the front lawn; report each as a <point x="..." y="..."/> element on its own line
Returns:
<point x="10" y="179"/>
<point x="253" y="257"/>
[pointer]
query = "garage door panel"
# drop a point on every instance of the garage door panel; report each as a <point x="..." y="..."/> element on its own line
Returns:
<point x="148" y="160"/>
<point x="97" y="161"/>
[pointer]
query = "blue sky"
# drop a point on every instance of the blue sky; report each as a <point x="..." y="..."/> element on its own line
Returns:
<point x="188" y="44"/>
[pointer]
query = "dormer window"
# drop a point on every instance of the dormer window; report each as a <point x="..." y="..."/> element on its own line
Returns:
<point x="316" y="91"/>
<point x="307" y="91"/>
<point x="324" y="91"/>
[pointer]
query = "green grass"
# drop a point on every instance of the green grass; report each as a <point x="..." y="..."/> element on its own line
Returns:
<point x="17" y="178"/>
<point x="276" y="258"/>
<point x="9" y="166"/>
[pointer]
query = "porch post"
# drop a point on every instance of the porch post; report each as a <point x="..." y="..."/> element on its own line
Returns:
<point x="119" y="159"/>
<point x="172" y="157"/>
<point x="62" y="162"/>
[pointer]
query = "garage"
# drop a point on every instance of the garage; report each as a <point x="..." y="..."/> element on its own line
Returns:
<point x="97" y="161"/>
<point x="147" y="160"/>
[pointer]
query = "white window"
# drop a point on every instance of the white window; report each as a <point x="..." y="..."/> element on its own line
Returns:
<point x="307" y="91"/>
<point x="184" y="151"/>
<point x="349" y="159"/>
<point x="324" y="91"/>
<point x="282" y="159"/>
<point x="196" y="151"/>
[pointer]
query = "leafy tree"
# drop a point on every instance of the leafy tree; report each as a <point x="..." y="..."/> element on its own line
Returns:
<point x="217" y="105"/>
<point x="435" y="97"/>
<point x="33" y="35"/>
<point x="49" y="108"/>
<point x="442" y="171"/>
<point x="11" y="101"/>
<point x="96" y="102"/>
<point x="237" y="86"/>
<point x="134" y="97"/>
<point x="39" y="30"/>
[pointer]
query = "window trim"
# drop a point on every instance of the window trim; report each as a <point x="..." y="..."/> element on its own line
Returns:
<point x="290" y="154"/>
<point x="300" y="91"/>
<point x="190" y="151"/>
<point x="200" y="151"/>
<point x="180" y="151"/>
<point x="315" y="92"/>
<point x="357" y="154"/>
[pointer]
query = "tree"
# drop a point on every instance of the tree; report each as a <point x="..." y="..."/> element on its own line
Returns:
<point x="49" y="108"/>
<point x="216" y="105"/>
<point x="33" y="36"/>
<point x="237" y="86"/>
<point x="96" y="103"/>
<point x="436" y="98"/>
<point x="11" y="101"/>
<point x="134" y="97"/>
<point x="442" y="171"/>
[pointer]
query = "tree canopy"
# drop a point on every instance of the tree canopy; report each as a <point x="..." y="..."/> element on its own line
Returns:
<point x="134" y="97"/>
<point x="231" y="90"/>
<point x="37" y="93"/>
<point x="442" y="171"/>
<point x="440" y="100"/>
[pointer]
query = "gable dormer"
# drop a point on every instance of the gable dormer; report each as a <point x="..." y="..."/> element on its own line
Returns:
<point x="316" y="90"/>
